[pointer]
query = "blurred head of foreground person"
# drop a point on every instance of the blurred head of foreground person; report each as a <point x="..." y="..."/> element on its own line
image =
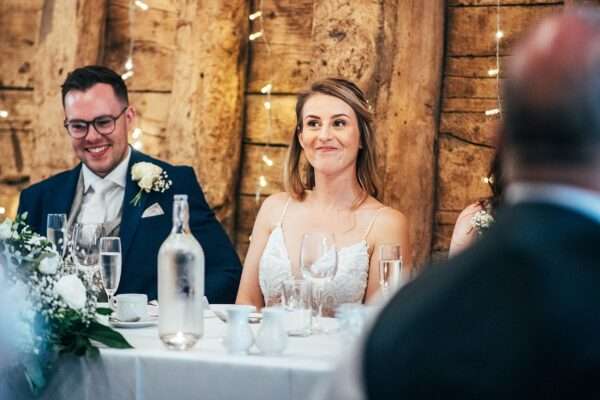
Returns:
<point x="516" y="314"/>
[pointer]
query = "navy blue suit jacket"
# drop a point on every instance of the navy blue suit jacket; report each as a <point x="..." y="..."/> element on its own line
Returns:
<point x="142" y="237"/>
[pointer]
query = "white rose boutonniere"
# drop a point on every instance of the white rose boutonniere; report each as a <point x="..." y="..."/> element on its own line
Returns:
<point x="150" y="178"/>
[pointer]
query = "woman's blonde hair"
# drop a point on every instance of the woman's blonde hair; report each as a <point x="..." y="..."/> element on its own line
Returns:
<point x="295" y="182"/>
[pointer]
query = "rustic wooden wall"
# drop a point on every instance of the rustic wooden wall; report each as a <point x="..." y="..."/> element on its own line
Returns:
<point x="196" y="87"/>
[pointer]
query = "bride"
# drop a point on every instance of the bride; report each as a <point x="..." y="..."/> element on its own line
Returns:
<point x="337" y="192"/>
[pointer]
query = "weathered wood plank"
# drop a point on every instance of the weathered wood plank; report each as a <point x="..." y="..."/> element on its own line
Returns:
<point x="442" y="237"/>
<point x="19" y="104"/>
<point x="461" y="167"/>
<point x="345" y="36"/>
<point x="254" y="167"/>
<point x="473" y="67"/>
<point x="205" y="115"/>
<point x="472" y="127"/>
<point x="468" y="105"/>
<point x="283" y="119"/>
<point x="407" y="109"/>
<point x="470" y="87"/>
<point x="153" y="32"/>
<point x="471" y="30"/>
<point x="247" y="211"/>
<point x="9" y="199"/>
<point x="152" y="111"/>
<point x="287" y="26"/>
<point x="454" y="3"/>
<point x="72" y="35"/>
<point x="19" y="30"/>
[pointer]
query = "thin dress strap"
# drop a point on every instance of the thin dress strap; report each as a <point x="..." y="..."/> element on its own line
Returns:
<point x="287" y="203"/>
<point x="372" y="222"/>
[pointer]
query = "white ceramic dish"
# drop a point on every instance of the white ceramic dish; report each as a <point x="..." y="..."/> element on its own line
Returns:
<point x="152" y="320"/>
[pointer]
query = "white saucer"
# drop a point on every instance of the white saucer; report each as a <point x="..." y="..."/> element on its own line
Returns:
<point x="152" y="320"/>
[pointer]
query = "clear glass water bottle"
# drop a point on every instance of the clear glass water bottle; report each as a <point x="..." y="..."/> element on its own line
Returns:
<point x="180" y="282"/>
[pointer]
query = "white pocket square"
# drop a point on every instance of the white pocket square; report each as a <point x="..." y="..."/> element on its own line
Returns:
<point x="153" y="211"/>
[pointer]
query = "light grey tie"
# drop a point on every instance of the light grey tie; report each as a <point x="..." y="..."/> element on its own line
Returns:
<point x="96" y="209"/>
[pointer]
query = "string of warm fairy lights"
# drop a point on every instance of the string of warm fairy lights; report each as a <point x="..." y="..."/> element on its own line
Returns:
<point x="495" y="72"/>
<point x="266" y="90"/>
<point x="137" y="133"/>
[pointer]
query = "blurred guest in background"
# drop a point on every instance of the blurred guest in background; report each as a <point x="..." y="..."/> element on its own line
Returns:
<point x="516" y="314"/>
<point x="478" y="217"/>
<point x="337" y="192"/>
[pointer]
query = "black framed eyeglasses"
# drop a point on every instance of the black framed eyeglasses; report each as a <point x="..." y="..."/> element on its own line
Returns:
<point x="104" y="125"/>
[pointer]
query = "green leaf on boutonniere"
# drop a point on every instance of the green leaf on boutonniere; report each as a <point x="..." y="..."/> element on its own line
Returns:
<point x="138" y="197"/>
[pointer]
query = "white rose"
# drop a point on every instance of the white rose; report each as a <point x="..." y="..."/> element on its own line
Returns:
<point x="146" y="183"/>
<point x="5" y="229"/>
<point x="72" y="291"/>
<point x="144" y="169"/>
<point x="49" y="265"/>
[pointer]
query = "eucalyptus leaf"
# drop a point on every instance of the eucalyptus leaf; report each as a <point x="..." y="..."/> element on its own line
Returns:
<point x="106" y="335"/>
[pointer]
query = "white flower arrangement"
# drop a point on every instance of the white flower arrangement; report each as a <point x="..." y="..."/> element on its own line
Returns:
<point x="482" y="221"/>
<point x="61" y="316"/>
<point x="150" y="177"/>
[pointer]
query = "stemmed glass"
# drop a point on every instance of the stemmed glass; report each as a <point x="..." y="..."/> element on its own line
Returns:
<point x="110" y="265"/>
<point x="86" y="240"/>
<point x="390" y="267"/>
<point x="318" y="262"/>
<point x="56" y="232"/>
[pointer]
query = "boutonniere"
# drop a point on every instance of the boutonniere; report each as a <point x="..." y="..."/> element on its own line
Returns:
<point x="150" y="178"/>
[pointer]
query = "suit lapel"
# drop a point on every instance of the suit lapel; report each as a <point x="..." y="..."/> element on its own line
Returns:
<point x="61" y="196"/>
<point x="131" y="214"/>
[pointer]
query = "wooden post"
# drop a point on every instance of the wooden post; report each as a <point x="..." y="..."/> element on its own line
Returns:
<point x="345" y="36"/>
<point x="71" y="35"/>
<point x="408" y="112"/>
<point x="206" y="111"/>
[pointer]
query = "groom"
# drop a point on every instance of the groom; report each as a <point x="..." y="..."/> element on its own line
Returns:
<point x="100" y="189"/>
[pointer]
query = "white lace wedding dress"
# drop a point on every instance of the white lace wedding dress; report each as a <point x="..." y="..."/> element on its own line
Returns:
<point x="348" y="285"/>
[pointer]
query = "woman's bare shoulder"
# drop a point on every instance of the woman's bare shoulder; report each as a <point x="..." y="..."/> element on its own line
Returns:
<point x="388" y="218"/>
<point x="272" y="207"/>
<point x="468" y="213"/>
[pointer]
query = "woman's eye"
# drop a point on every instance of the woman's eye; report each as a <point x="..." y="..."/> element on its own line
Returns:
<point x="313" y="123"/>
<point x="339" y="123"/>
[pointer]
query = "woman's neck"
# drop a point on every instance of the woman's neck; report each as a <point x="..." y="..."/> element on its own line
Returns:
<point x="339" y="191"/>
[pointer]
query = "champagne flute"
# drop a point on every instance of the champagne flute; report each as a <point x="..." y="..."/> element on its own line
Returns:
<point x="86" y="238"/>
<point x="56" y="230"/>
<point x="390" y="267"/>
<point x="110" y="265"/>
<point x="318" y="262"/>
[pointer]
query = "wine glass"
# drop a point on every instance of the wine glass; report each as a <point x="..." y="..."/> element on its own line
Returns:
<point x="110" y="265"/>
<point x="86" y="240"/>
<point x="56" y="230"/>
<point x="318" y="262"/>
<point x="390" y="267"/>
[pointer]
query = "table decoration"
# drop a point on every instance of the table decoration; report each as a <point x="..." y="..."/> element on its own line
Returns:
<point x="62" y="317"/>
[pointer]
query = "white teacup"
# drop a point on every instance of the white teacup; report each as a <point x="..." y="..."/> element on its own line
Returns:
<point x="130" y="307"/>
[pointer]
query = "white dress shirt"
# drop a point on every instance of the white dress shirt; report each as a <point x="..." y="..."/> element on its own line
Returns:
<point x="109" y="207"/>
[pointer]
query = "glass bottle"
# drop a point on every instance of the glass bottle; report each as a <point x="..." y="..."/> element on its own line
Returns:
<point x="180" y="282"/>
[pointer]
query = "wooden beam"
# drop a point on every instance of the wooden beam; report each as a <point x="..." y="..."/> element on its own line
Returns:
<point x="19" y="23"/>
<point x="408" y="112"/>
<point x="71" y="35"/>
<point x="204" y="124"/>
<point x="345" y="41"/>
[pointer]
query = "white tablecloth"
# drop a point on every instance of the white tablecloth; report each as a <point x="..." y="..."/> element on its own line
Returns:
<point x="150" y="371"/>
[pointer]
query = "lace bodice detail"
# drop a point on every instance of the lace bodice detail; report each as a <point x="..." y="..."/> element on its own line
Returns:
<point x="348" y="285"/>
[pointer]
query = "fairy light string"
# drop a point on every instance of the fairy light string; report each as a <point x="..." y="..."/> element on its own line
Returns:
<point x="265" y="161"/>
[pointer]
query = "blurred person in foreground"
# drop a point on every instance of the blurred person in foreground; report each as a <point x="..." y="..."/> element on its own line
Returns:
<point x="516" y="314"/>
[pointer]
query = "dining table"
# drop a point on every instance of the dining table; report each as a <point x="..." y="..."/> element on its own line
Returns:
<point x="150" y="371"/>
